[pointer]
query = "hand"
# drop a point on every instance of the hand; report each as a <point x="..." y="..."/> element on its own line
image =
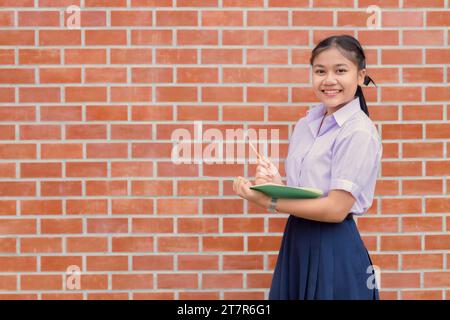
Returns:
<point x="267" y="172"/>
<point x="241" y="187"/>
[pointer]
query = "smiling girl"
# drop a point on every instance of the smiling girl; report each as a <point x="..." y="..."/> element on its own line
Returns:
<point x="336" y="148"/>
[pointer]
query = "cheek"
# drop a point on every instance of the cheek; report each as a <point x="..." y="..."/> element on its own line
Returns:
<point x="316" y="82"/>
<point x="348" y="83"/>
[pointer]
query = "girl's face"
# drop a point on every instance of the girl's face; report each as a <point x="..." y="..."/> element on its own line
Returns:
<point x="335" y="79"/>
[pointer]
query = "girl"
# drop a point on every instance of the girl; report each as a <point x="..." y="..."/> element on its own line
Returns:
<point x="335" y="148"/>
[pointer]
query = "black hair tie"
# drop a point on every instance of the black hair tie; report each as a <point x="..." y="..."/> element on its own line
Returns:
<point x="368" y="80"/>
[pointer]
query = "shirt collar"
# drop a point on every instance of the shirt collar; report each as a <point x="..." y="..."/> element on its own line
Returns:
<point x="340" y="116"/>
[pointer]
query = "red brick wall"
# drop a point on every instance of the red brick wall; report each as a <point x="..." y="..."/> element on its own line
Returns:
<point x="86" y="117"/>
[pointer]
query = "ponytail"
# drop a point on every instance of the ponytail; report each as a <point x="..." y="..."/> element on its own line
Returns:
<point x="360" y="94"/>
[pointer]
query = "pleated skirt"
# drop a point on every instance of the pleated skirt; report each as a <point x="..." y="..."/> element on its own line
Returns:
<point x="323" y="261"/>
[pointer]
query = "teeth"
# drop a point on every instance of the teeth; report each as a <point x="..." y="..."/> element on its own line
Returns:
<point x="333" y="91"/>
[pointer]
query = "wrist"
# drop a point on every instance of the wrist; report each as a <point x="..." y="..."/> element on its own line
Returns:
<point x="272" y="207"/>
<point x="265" y="202"/>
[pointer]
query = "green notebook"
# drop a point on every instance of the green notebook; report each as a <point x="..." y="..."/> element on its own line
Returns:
<point x="285" y="192"/>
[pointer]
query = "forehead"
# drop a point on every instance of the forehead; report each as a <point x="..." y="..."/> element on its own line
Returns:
<point x="332" y="58"/>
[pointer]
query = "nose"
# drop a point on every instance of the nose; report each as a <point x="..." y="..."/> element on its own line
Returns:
<point x="329" y="79"/>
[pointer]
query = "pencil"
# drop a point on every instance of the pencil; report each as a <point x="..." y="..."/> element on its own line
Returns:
<point x="254" y="149"/>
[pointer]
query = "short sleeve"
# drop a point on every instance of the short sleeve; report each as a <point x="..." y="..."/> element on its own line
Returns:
<point x="353" y="162"/>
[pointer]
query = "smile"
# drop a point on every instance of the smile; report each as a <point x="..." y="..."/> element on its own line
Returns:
<point x="331" y="93"/>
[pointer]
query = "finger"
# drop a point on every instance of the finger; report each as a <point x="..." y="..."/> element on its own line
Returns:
<point x="263" y="170"/>
<point x="262" y="175"/>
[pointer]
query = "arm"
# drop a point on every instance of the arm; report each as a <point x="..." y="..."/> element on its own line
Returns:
<point x="332" y="208"/>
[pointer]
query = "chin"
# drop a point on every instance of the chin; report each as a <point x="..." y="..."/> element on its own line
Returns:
<point x="331" y="102"/>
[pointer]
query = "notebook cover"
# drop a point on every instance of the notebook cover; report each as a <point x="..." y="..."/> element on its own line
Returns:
<point x="286" y="192"/>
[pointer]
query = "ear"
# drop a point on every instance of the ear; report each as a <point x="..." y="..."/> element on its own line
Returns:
<point x="361" y="76"/>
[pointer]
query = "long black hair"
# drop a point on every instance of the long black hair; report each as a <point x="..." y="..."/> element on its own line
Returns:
<point x="352" y="50"/>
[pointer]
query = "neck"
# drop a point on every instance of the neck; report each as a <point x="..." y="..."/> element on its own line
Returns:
<point x="328" y="112"/>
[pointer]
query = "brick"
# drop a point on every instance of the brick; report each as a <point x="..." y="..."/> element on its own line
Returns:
<point x="61" y="226"/>
<point x="59" y="37"/>
<point x="244" y="225"/>
<point x="41" y="282"/>
<point x="176" y="56"/>
<point x="177" y="244"/>
<point x="131" y="94"/>
<point x="87" y="244"/>
<point x="86" y="131"/>
<point x="222" y="281"/>
<point x="41" y="207"/>
<point x="222" y="18"/>
<point x="111" y="150"/>
<point x="198" y="225"/>
<point x="107" y="225"/>
<point x="17" y="226"/>
<point x="17" y="189"/>
<point x="132" y="169"/>
<point x="152" y="75"/>
<point x="192" y="112"/>
<point x="108" y="75"/>
<point x="402" y="19"/>
<point x="63" y="188"/>
<point x="131" y="56"/>
<point x="86" y="169"/>
<point x="152" y="225"/>
<point x="419" y="150"/>
<point x="400" y="243"/>
<point x="40" y="170"/>
<point x="106" y="37"/>
<point x="86" y="56"/>
<point x="131" y="18"/>
<point x="107" y="263"/>
<point x="18" y="264"/>
<point x="132" y="244"/>
<point x="309" y="18"/>
<point x="59" y="263"/>
<point x="176" y="18"/>
<point x="153" y="262"/>
<point x="132" y="281"/>
<point x="105" y="113"/>
<point x="132" y="206"/>
<point x="40" y="245"/>
<point x="422" y="261"/>
<point x="59" y="113"/>
<point x="177" y="206"/>
<point x="171" y="281"/>
<point x="198" y="262"/>
<point x="240" y="262"/>
<point x="17" y="76"/>
<point x="90" y="206"/>
<point x="242" y="37"/>
<point x="8" y="245"/>
<point x="423" y="38"/>
<point x="197" y="37"/>
<point x="437" y="242"/>
<point x="267" y="18"/>
<point x="17" y="38"/>
<point x="84" y="94"/>
<point x="400" y="206"/>
<point x="219" y="243"/>
<point x="151" y="38"/>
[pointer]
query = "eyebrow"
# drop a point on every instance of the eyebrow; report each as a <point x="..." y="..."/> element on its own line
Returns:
<point x="337" y="65"/>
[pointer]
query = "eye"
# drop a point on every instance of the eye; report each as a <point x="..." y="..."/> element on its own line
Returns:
<point x="319" y="71"/>
<point x="343" y="70"/>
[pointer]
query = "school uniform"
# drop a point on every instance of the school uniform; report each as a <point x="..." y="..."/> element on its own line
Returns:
<point x="319" y="260"/>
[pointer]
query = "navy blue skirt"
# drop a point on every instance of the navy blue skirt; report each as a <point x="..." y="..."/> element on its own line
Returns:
<point x="320" y="260"/>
